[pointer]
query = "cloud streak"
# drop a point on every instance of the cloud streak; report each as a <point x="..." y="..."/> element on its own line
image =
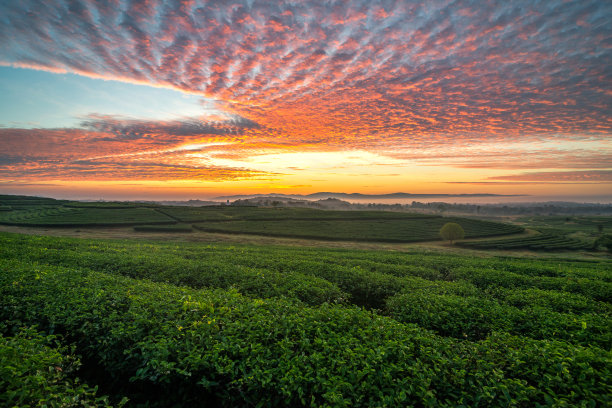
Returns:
<point x="596" y="176"/>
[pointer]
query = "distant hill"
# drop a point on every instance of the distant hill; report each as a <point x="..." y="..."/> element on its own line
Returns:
<point x="325" y="195"/>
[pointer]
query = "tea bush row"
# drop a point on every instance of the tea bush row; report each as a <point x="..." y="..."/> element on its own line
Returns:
<point x="217" y="273"/>
<point x="475" y="317"/>
<point x="228" y="213"/>
<point x="87" y="216"/>
<point x="545" y="242"/>
<point x="171" y="346"/>
<point x="164" y="228"/>
<point x="35" y="371"/>
<point x="317" y="275"/>
<point x="383" y="230"/>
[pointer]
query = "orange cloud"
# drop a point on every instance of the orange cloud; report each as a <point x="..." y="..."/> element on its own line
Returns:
<point x="399" y="77"/>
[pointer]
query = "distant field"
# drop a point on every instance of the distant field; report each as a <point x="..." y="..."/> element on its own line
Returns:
<point x="86" y="217"/>
<point x="11" y="202"/>
<point x="546" y="242"/>
<point x="164" y="228"/>
<point x="555" y="233"/>
<point x="230" y="213"/>
<point x="407" y="229"/>
<point x="582" y="225"/>
<point x="378" y="226"/>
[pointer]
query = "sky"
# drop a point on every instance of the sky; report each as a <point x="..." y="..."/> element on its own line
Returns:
<point x="133" y="99"/>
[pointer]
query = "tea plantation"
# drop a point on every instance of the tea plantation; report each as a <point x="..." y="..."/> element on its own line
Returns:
<point x="187" y="324"/>
<point x="546" y="242"/>
<point x="377" y="226"/>
<point x="407" y="229"/>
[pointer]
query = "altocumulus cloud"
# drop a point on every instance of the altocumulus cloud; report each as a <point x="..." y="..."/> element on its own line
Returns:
<point x="335" y="74"/>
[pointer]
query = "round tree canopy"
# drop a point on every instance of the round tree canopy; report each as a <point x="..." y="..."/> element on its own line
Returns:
<point x="452" y="231"/>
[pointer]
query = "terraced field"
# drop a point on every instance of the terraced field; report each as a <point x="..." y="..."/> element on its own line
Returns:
<point x="15" y="202"/>
<point x="231" y="213"/>
<point x="164" y="228"/>
<point x="545" y="242"/>
<point x="91" y="217"/>
<point x="407" y="229"/>
<point x="377" y="226"/>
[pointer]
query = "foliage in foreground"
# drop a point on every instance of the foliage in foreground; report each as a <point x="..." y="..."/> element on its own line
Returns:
<point x="538" y="299"/>
<point x="180" y="346"/>
<point x="35" y="372"/>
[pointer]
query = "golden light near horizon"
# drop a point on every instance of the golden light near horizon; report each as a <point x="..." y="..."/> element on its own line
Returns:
<point x="304" y="97"/>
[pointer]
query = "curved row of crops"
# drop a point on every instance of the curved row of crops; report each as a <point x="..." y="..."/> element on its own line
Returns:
<point x="383" y="230"/>
<point x="169" y="324"/>
<point x="16" y="202"/>
<point x="547" y="242"/>
<point x="25" y="217"/>
<point x="286" y="222"/>
<point x="175" y="346"/>
<point x="86" y="216"/>
<point x="229" y="213"/>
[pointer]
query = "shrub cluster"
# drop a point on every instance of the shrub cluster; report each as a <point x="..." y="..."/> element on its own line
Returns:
<point x="181" y="346"/>
<point x="475" y="317"/>
<point x="36" y="372"/>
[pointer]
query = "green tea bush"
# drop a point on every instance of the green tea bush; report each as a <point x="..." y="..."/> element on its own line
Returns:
<point x="475" y="318"/>
<point x="466" y="317"/>
<point x="544" y="242"/>
<point x="36" y="372"/>
<point x="85" y="216"/>
<point x="558" y="301"/>
<point x="382" y="229"/>
<point x="145" y="263"/>
<point x="486" y="278"/>
<point x="164" y="228"/>
<point x="171" y="346"/>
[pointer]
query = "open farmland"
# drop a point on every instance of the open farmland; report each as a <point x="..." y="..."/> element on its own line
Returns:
<point x="545" y="242"/>
<point x="88" y="216"/>
<point x="380" y="226"/>
<point x="15" y="202"/>
<point x="576" y="225"/>
<point x="408" y="229"/>
<point x="180" y="324"/>
<point x="234" y="213"/>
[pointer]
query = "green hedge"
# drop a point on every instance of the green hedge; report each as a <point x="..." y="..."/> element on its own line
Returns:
<point x="145" y="261"/>
<point x="181" y="347"/>
<point x="35" y="371"/>
<point x="164" y="228"/>
<point x="474" y="318"/>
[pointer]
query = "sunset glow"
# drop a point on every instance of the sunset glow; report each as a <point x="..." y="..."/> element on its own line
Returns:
<point x="194" y="99"/>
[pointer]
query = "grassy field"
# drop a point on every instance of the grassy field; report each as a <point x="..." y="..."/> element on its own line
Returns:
<point x="182" y="324"/>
